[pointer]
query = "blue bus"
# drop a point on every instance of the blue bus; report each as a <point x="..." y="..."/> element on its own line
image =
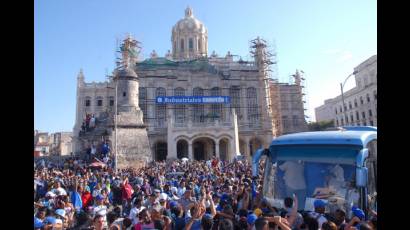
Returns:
<point x="338" y="166"/>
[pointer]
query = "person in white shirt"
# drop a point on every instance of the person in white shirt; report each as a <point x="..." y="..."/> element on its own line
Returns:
<point x="100" y="209"/>
<point x="295" y="180"/>
<point x="337" y="178"/>
<point x="319" y="212"/>
<point x="135" y="210"/>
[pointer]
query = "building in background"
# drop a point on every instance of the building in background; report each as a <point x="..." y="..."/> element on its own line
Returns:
<point x="360" y="102"/>
<point x="54" y="144"/>
<point x="196" y="131"/>
<point x="288" y="106"/>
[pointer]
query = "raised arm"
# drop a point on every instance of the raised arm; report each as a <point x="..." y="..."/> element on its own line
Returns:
<point x="293" y="213"/>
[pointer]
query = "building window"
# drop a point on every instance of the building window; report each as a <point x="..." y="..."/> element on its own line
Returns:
<point x="350" y="105"/>
<point x="364" y="123"/>
<point x="363" y="115"/>
<point x="235" y="94"/>
<point x="370" y="113"/>
<point x="342" y="122"/>
<point x="199" y="45"/>
<point x="355" y="103"/>
<point x="375" y="95"/>
<point x="337" y="122"/>
<point x="99" y="101"/>
<point x="295" y="120"/>
<point x="142" y="101"/>
<point x="351" y="118"/>
<point x="368" y="97"/>
<point x="87" y="102"/>
<point x="198" y="110"/>
<point x="347" y="120"/>
<point x="160" y="112"/>
<point x="179" y="111"/>
<point x="335" y="110"/>
<point x="111" y="101"/>
<point x="124" y="94"/>
<point x="252" y="98"/>
<point x="371" y="123"/>
<point x="361" y="100"/>
<point x="285" y="122"/>
<point x="340" y="109"/>
<point x="182" y="45"/>
<point x="191" y="45"/>
<point x="357" y="116"/>
<point x="216" y="109"/>
<point x="345" y="107"/>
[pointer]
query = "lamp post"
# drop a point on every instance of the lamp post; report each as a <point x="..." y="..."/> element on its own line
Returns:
<point x="341" y="89"/>
<point x="115" y="123"/>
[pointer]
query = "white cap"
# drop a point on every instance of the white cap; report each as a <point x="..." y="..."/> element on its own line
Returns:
<point x="163" y="196"/>
<point x="50" y="193"/>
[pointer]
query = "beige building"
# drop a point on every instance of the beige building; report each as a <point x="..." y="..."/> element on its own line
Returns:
<point x="288" y="106"/>
<point x="58" y="143"/>
<point x="196" y="131"/>
<point x="360" y="107"/>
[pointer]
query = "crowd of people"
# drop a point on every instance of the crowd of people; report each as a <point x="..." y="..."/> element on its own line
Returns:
<point x="88" y="123"/>
<point x="180" y="194"/>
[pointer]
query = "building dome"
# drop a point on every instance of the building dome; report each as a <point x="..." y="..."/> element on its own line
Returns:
<point x="189" y="38"/>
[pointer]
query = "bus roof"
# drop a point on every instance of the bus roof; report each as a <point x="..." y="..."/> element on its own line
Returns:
<point x="341" y="137"/>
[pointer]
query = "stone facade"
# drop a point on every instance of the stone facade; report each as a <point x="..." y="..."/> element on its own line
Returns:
<point x="57" y="144"/>
<point x="360" y="102"/>
<point x="194" y="131"/>
<point x="288" y="108"/>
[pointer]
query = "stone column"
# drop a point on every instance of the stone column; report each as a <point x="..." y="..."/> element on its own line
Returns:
<point x="171" y="144"/>
<point x="217" y="149"/>
<point x="247" y="153"/>
<point x="190" y="154"/>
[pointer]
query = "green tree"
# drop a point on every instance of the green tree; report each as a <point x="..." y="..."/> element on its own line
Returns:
<point x="320" y="126"/>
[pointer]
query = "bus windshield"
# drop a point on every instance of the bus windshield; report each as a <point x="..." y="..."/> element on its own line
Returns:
<point x="313" y="173"/>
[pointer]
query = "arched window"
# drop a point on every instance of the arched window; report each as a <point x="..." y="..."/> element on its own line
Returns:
<point x="235" y="94"/>
<point x="253" y="113"/>
<point x="199" y="45"/>
<point x="161" y="109"/>
<point x="368" y="97"/>
<point x="355" y="103"/>
<point x="87" y="102"/>
<point x="216" y="109"/>
<point x="357" y="116"/>
<point x="350" y="105"/>
<point x="198" y="110"/>
<point x="182" y="45"/>
<point x="99" y="101"/>
<point x="179" y="111"/>
<point x="361" y="100"/>
<point x="191" y="45"/>
<point x="143" y="101"/>
<point x="111" y="100"/>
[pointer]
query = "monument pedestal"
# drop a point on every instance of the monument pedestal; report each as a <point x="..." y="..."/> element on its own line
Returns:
<point x="133" y="144"/>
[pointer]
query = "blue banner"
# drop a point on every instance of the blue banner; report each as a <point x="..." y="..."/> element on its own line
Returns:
<point x="193" y="100"/>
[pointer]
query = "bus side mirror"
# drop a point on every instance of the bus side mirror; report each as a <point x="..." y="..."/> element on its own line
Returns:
<point x="361" y="177"/>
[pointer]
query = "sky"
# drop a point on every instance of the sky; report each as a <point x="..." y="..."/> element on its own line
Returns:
<point x="325" y="39"/>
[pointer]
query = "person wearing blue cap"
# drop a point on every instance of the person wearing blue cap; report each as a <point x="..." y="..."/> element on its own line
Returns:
<point x="251" y="220"/>
<point x="319" y="212"/>
<point x="358" y="217"/>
